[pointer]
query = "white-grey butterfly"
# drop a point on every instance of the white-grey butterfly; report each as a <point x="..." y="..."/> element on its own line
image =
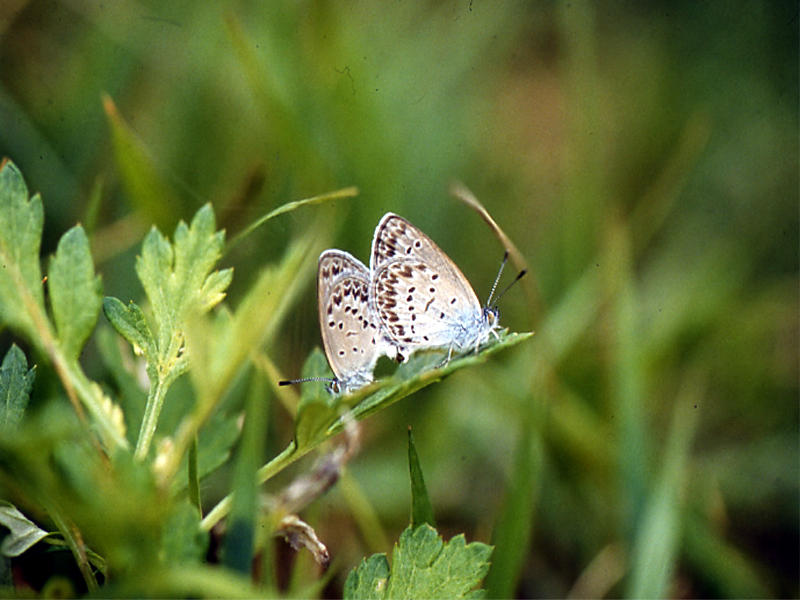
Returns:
<point x="351" y="334"/>
<point x="421" y="298"/>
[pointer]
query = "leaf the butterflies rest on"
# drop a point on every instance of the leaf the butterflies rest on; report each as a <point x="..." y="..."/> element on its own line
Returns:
<point x="75" y="291"/>
<point x="21" y="222"/>
<point x="16" y="383"/>
<point x="423" y="566"/>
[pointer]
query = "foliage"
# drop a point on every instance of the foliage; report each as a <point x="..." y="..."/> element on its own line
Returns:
<point x="422" y="567"/>
<point x="643" y="162"/>
<point x="181" y="285"/>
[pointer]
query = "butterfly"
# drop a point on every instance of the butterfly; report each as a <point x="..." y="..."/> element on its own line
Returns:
<point x="420" y="297"/>
<point x="351" y="334"/>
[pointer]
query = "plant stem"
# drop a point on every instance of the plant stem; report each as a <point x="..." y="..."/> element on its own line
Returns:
<point x="155" y="400"/>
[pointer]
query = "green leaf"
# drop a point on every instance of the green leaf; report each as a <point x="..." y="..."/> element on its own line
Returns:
<point x="318" y="409"/>
<point x="21" y="223"/>
<point x="145" y="187"/>
<point x="421" y="507"/>
<point x="238" y="546"/>
<point x="657" y="544"/>
<point x="16" y="383"/>
<point x="24" y="532"/>
<point x="514" y="527"/>
<point x="177" y="277"/>
<point x="420" y="371"/>
<point x="423" y="566"/>
<point x="369" y="580"/>
<point x="184" y="541"/>
<point x="214" y="444"/>
<point x="75" y="291"/>
<point x="130" y="323"/>
<point x="179" y="283"/>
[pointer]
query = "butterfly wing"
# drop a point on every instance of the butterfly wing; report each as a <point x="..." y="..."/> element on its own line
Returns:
<point x="350" y="332"/>
<point x="420" y="296"/>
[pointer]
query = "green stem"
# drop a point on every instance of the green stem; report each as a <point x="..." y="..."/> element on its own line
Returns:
<point x="75" y="542"/>
<point x="155" y="400"/>
<point x="194" y="479"/>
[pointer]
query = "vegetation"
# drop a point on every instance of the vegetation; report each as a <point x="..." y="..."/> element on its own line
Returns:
<point x="187" y="165"/>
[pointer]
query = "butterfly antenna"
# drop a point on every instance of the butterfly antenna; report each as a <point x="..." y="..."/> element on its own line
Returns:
<point x="508" y="287"/>
<point x="293" y="381"/>
<point x="497" y="280"/>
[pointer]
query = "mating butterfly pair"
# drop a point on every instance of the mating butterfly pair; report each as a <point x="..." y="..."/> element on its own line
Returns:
<point x="413" y="297"/>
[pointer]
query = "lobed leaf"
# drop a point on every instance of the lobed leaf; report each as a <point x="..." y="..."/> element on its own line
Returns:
<point x="423" y="566"/>
<point x="177" y="277"/>
<point x="75" y="291"/>
<point x="369" y="580"/>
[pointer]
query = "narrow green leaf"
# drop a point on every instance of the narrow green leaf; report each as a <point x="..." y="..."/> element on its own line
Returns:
<point x="656" y="547"/>
<point x="421" y="507"/>
<point x="239" y="541"/>
<point x="423" y="566"/>
<point x="369" y="580"/>
<point x="24" y="533"/>
<point x="16" y="383"/>
<point x="514" y="528"/>
<point x="75" y="291"/>
<point x="349" y="192"/>
<point x="21" y="223"/>
<point x="130" y="323"/>
<point x="145" y="187"/>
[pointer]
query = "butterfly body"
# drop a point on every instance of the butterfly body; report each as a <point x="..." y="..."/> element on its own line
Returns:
<point x="420" y="297"/>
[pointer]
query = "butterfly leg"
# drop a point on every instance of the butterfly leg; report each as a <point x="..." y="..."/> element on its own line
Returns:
<point x="447" y="358"/>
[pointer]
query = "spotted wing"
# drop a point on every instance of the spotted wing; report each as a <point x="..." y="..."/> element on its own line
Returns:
<point x="350" y="332"/>
<point x="420" y="296"/>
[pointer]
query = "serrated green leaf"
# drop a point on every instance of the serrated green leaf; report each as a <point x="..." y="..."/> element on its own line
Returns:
<point x="24" y="532"/>
<point x="75" y="291"/>
<point x="179" y="284"/>
<point x="423" y="566"/>
<point x="16" y="383"/>
<point x="177" y="278"/>
<point x="130" y="323"/>
<point x="21" y="223"/>
<point x="421" y="507"/>
<point x="369" y="580"/>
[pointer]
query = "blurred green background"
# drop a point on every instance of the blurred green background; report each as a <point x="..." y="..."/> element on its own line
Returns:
<point x="642" y="155"/>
